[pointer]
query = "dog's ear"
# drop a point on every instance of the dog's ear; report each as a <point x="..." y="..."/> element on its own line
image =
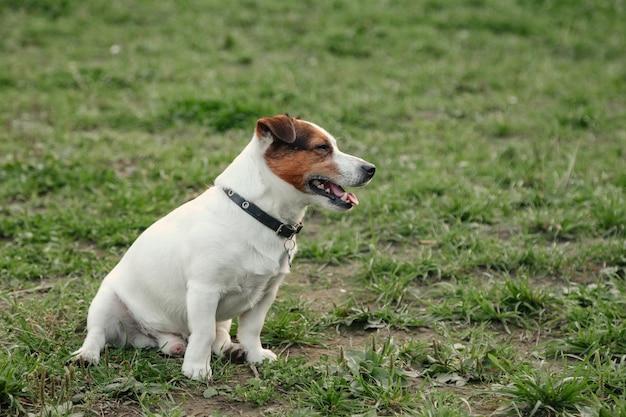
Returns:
<point x="280" y="127"/>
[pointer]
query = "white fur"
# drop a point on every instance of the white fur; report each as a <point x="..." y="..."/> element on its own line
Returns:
<point x="186" y="276"/>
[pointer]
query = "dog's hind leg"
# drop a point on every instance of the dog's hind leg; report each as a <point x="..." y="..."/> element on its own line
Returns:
<point x="106" y="314"/>
<point x="140" y="340"/>
<point x="222" y="341"/>
<point x="93" y="344"/>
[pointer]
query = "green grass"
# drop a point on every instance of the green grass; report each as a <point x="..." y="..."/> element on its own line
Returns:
<point x="484" y="271"/>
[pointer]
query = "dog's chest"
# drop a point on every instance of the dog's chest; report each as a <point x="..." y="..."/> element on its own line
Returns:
<point x="245" y="292"/>
<point x="250" y="280"/>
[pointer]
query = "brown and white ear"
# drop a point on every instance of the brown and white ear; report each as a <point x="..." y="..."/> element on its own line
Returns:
<point x="279" y="127"/>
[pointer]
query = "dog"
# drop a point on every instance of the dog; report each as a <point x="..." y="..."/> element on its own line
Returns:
<point x="224" y="254"/>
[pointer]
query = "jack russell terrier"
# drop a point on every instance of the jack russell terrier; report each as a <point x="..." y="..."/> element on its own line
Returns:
<point x="224" y="254"/>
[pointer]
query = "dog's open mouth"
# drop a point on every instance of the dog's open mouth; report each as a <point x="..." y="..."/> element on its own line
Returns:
<point x="333" y="192"/>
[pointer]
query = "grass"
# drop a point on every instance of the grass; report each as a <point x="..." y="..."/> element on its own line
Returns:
<point x="483" y="273"/>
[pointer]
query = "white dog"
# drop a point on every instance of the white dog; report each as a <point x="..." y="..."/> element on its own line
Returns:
<point x="224" y="254"/>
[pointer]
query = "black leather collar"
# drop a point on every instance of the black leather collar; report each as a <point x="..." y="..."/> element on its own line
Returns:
<point x="282" y="229"/>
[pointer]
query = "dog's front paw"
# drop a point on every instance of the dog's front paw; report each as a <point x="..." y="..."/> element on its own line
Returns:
<point x="198" y="372"/>
<point x="260" y="355"/>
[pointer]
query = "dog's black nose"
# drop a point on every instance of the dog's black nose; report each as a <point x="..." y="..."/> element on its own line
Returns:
<point x="369" y="170"/>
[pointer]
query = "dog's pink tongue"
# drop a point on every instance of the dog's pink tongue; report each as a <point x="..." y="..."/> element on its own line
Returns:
<point x="341" y="193"/>
<point x="352" y="199"/>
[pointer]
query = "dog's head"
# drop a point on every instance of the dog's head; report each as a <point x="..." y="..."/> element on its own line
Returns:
<point x="306" y="156"/>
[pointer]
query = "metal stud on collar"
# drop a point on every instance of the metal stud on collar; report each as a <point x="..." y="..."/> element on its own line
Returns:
<point x="282" y="229"/>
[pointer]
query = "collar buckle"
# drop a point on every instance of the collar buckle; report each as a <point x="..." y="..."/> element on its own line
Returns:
<point x="282" y="229"/>
<point x="288" y="230"/>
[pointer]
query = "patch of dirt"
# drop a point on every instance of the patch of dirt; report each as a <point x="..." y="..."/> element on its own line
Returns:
<point x="115" y="409"/>
<point x="202" y="407"/>
<point x="324" y="287"/>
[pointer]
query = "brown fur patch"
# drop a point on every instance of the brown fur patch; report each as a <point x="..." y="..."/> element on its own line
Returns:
<point x="310" y="154"/>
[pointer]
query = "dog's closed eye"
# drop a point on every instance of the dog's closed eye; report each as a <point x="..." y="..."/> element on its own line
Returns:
<point x="323" y="148"/>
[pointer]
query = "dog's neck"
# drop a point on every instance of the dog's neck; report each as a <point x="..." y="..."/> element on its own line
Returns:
<point x="249" y="176"/>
